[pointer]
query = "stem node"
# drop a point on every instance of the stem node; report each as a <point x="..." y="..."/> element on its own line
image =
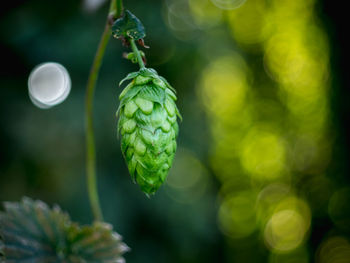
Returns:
<point x="137" y="53"/>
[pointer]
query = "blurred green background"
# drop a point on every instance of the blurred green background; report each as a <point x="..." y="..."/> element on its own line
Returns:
<point x="261" y="172"/>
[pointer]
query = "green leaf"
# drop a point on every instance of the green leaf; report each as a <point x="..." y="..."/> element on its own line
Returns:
<point x="148" y="72"/>
<point x="167" y="83"/>
<point x="152" y="93"/>
<point x="178" y="113"/>
<point x="128" y="26"/>
<point x="131" y="93"/>
<point x="30" y="231"/>
<point x="128" y="77"/>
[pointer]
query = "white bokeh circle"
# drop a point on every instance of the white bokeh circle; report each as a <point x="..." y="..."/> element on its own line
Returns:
<point x="49" y="84"/>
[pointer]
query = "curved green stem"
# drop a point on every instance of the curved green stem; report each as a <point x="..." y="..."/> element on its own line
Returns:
<point x="137" y="53"/>
<point x="115" y="9"/>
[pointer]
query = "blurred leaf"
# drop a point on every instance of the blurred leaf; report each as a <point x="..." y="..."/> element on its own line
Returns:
<point x="128" y="26"/>
<point x="32" y="232"/>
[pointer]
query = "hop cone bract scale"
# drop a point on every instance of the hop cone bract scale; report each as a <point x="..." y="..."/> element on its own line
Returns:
<point x="148" y="128"/>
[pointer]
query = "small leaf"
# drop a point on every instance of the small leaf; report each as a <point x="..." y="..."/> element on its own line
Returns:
<point x="178" y="113"/>
<point x="128" y="77"/>
<point x="130" y="93"/>
<point x="153" y="93"/>
<point x="148" y="72"/>
<point x="32" y="232"/>
<point x="128" y="26"/>
<point x="167" y="83"/>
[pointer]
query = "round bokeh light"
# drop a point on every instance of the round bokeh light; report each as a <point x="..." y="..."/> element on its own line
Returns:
<point x="49" y="84"/>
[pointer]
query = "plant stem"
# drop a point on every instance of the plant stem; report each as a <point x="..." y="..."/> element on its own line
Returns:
<point x="115" y="9"/>
<point x="119" y="7"/>
<point x="137" y="52"/>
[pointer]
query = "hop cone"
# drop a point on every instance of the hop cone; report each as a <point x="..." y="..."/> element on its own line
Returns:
<point x="148" y="127"/>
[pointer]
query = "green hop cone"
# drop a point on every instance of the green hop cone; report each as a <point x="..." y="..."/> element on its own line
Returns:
<point x="148" y="128"/>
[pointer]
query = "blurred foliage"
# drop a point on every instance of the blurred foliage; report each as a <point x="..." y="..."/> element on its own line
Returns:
<point x="31" y="231"/>
<point x="258" y="176"/>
